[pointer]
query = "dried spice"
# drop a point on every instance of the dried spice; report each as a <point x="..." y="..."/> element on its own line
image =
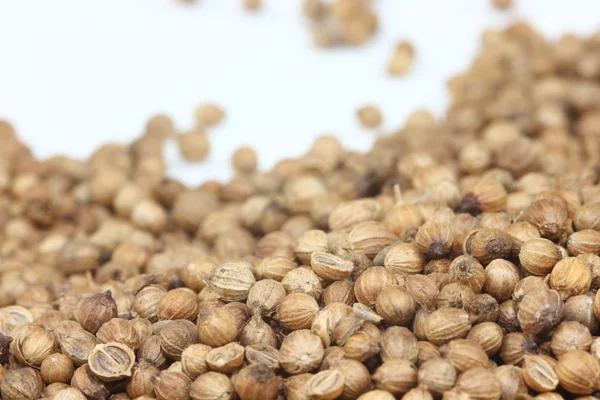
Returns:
<point x="457" y="258"/>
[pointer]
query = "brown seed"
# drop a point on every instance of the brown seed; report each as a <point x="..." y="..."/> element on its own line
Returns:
<point x="361" y="347"/>
<point x="464" y="354"/>
<point x="301" y="351"/>
<point x="434" y="240"/>
<point x="217" y="328"/>
<point x="370" y="283"/>
<point x="549" y="217"/>
<point x="399" y="343"/>
<point x="89" y="384"/>
<point x="256" y="382"/>
<point x="447" y="324"/>
<point x="265" y="296"/>
<point x="79" y="256"/>
<point x="195" y="273"/>
<point x="302" y="280"/>
<point x="454" y="295"/>
<point x="487" y="244"/>
<point x="581" y="309"/>
<point x="145" y="302"/>
<point x="263" y="354"/>
<point x="258" y="331"/>
<point x="578" y="372"/>
<point x="297" y="311"/>
<point x="467" y="271"/>
<point x="335" y="323"/>
<point x="295" y="386"/>
<point x="404" y="258"/>
<point x="76" y="343"/>
<point x="193" y="360"/>
<point x="396" y="376"/>
<point x="369" y="238"/>
<point x="231" y="281"/>
<point x="57" y="368"/>
<point x="570" y="335"/>
<point x="586" y="217"/>
<point x="515" y="346"/>
<point x="501" y="277"/>
<point x="479" y="384"/>
<point x="570" y="277"/>
<point x="369" y="116"/>
<point x="377" y="395"/>
<point x="92" y="312"/>
<point x="119" y="330"/>
<point x="539" y="374"/>
<point x="487" y="195"/>
<point x="70" y="394"/>
<point x="339" y="292"/>
<point x="526" y="285"/>
<point x="21" y="384"/>
<point x="178" y="304"/>
<point x="395" y="306"/>
<point x="177" y="336"/>
<point x="357" y="379"/>
<point x="330" y="267"/>
<point x="438" y="375"/>
<point x="141" y="382"/>
<point x="540" y="310"/>
<point x="212" y="385"/>
<point x="225" y="359"/>
<point x="511" y="380"/>
<point x="489" y="335"/>
<point x="328" y="384"/>
<point x="111" y="361"/>
<point x="151" y="352"/>
<point x="172" y="386"/>
<point x="584" y="241"/>
<point x="309" y="242"/>
<point x="33" y="346"/>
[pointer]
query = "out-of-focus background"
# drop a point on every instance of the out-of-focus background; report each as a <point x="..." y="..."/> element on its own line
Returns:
<point x="75" y="74"/>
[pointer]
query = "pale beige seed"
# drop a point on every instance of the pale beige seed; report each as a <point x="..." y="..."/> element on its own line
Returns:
<point x="194" y="145"/>
<point x="369" y="116"/>
<point x="209" y="114"/>
<point x="402" y="59"/>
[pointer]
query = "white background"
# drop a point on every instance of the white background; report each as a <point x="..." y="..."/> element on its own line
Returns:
<point x="75" y="74"/>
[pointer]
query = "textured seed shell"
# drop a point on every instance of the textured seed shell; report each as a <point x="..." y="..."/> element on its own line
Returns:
<point x="111" y="361"/>
<point x="231" y="281"/>
<point x="399" y="343"/>
<point x="438" y="374"/>
<point x="434" y="239"/>
<point x="446" y="324"/>
<point x="479" y="384"/>
<point x="395" y="306"/>
<point x="578" y="372"/>
<point x="326" y="385"/>
<point x="464" y="354"/>
<point x="539" y="374"/>
<point x="538" y="256"/>
<point x="330" y="267"/>
<point x="297" y="311"/>
<point x="301" y="351"/>
<point x="404" y="258"/>
<point x="396" y="376"/>
<point x="571" y="277"/>
<point x="539" y="311"/>
<point x="489" y="335"/>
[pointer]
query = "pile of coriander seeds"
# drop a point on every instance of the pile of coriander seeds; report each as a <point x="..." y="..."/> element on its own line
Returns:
<point x="458" y="259"/>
